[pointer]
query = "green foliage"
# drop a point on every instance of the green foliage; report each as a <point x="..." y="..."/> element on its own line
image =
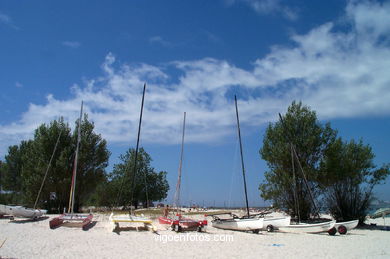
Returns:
<point x="27" y="164"/>
<point x="148" y="183"/>
<point x="349" y="176"/>
<point x="311" y="140"/>
<point x="342" y="172"/>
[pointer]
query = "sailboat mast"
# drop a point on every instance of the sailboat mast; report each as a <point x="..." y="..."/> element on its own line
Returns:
<point x="294" y="151"/>
<point x="242" y="157"/>
<point x="177" y="192"/>
<point x="136" y="149"/>
<point x="73" y="190"/>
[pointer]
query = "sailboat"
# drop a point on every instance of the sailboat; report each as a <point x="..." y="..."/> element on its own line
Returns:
<point x="178" y="222"/>
<point x="71" y="219"/>
<point x="114" y="220"/>
<point x="327" y="226"/>
<point x="248" y="222"/>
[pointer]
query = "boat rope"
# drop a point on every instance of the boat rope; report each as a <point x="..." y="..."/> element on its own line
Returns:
<point x="295" y="185"/>
<point x="242" y="156"/>
<point x="176" y="202"/>
<point x="136" y="149"/>
<point x="47" y="170"/>
<point x="74" y="174"/>
<point x="299" y="165"/>
<point x="233" y="174"/>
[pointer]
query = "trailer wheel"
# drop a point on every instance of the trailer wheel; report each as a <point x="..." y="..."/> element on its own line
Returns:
<point x="256" y="231"/>
<point x="332" y="231"/>
<point x="342" y="230"/>
<point x="177" y="228"/>
<point x="200" y="229"/>
<point x="270" y="228"/>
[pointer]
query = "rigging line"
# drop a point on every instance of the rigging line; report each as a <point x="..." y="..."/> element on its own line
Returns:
<point x="146" y="185"/>
<point x="74" y="176"/>
<point x="126" y="169"/>
<point x="295" y="182"/>
<point x="177" y="191"/>
<point x="234" y="169"/>
<point x="47" y="169"/>
<point x="136" y="149"/>
<point x="242" y="157"/>
<point x="300" y="165"/>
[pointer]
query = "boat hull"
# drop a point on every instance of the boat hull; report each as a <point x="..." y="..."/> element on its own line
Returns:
<point x="239" y="224"/>
<point x="276" y="222"/>
<point x="308" y="228"/>
<point x="348" y="224"/>
<point x="127" y="218"/>
<point x="5" y="210"/>
<point x="71" y="220"/>
<point x="184" y="223"/>
<point x="23" y="212"/>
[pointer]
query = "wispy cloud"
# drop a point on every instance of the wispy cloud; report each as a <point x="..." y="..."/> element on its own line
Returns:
<point x="18" y="84"/>
<point x="339" y="73"/>
<point x="6" y="20"/>
<point x="265" y="7"/>
<point x="71" y="44"/>
<point x="159" y="40"/>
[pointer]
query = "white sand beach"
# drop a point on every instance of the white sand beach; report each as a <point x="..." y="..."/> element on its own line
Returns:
<point x="37" y="240"/>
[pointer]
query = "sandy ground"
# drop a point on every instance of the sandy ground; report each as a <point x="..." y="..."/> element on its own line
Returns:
<point x="36" y="240"/>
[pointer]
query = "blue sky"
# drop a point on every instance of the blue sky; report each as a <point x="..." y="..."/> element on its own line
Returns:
<point x="194" y="56"/>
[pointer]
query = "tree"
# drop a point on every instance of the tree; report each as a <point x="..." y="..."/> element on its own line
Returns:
<point x="32" y="158"/>
<point x="348" y="178"/>
<point x="148" y="186"/>
<point x="283" y="185"/>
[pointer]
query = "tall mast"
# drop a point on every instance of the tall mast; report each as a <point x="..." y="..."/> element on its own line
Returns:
<point x="136" y="149"/>
<point x="242" y="157"/>
<point x="177" y="192"/>
<point x="74" y="176"/>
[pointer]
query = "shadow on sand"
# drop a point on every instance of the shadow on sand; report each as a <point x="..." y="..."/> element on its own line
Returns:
<point x="23" y="221"/>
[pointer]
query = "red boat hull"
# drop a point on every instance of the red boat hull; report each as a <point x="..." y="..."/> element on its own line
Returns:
<point x="185" y="223"/>
<point x="72" y="220"/>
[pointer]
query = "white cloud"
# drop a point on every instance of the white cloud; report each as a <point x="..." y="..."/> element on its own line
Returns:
<point x="71" y="44"/>
<point x="264" y="7"/>
<point x="160" y="40"/>
<point x="5" y="19"/>
<point x="339" y="73"/>
<point x="18" y="85"/>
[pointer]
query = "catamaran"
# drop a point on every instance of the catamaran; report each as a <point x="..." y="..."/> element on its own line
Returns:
<point x="115" y="219"/>
<point x="248" y="222"/>
<point x="72" y="219"/>
<point x="178" y="222"/>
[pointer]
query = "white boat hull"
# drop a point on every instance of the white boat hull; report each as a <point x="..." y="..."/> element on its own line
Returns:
<point x="348" y="224"/>
<point x="5" y="210"/>
<point x="276" y="222"/>
<point x="308" y="228"/>
<point x="23" y="212"/>
<point x="239" y="224"/>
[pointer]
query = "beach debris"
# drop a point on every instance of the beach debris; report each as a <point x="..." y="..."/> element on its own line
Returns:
<point x="2" y="243"/>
